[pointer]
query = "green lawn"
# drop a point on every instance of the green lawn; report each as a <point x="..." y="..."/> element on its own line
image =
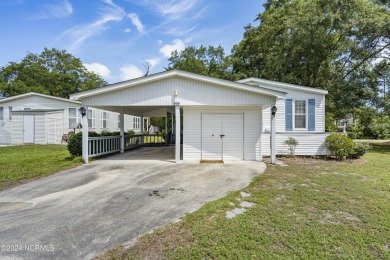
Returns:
<point x="20" y="163"/>
<point x="313" y="209"/>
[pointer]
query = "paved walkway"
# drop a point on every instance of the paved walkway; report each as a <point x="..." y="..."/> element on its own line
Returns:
<point x="79" y="213"/>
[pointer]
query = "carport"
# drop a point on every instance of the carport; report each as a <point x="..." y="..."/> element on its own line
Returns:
<point x="222" y="119"/>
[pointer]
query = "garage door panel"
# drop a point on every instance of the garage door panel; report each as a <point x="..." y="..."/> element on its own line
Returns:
<point x="211" y="140"/>
<point x="230" y="147"/>
<point x="232" y="127"/>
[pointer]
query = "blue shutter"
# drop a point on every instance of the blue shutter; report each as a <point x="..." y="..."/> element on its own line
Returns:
<point x="289" y="115"/>
<point x="312" y="115"/>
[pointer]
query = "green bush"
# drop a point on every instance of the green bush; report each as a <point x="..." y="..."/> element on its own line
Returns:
<point x="381" y="127"/>
<point x="339" y="146"/>
<point x="130" y="132"/>
<point x="292" y="144"/>
<point x="359" y="149"/>
<point x="75" y="144"/>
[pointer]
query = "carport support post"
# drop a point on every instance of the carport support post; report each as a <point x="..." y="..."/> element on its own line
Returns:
<point x="141" y="132"/>
<point x="84" y="123"/>
<point x="122" y="126"/>
<point x="273" y="141"/>
<point x="177" y="131"/>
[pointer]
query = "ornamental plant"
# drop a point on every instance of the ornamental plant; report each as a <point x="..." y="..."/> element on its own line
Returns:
<point x="340" y="146"/>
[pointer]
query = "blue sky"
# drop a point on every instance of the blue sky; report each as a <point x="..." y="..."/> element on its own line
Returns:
<point x="114" y="37"/>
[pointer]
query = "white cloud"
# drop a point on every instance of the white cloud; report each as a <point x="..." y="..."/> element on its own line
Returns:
<point x="167" y="49"/>
<point x="130" y="71"/>
<point x="98" y="68"/>
<point x="60" y="10"/>
<point x="175" y="8"/>
<point x="127" y="30"/>
<point x="180" y="31"/>
<point x="136" y="22"/>
<point x="77" y="35"/>
<point x="153" y="62"/>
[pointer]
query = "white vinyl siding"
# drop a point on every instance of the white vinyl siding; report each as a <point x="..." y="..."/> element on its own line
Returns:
<point x="192" y="130"/>
<point x="300" y="114"/>
<point x="309" y="143"/>
<point x="190" y="92"/>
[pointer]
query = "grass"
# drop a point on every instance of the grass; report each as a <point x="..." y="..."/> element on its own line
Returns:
<point x="21" y="163"/>
<point x="311" y="209"/>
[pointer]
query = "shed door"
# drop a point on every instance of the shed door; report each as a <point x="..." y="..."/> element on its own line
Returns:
<point x="222" y="136"/>
<point x="28" y="129"/>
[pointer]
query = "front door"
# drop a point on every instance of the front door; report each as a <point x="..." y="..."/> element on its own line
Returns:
<point x="28" y="129"/>
<point x="222" y="136"/>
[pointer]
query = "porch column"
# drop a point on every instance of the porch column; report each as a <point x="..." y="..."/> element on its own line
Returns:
<point x="273" y="135"/>
<point x="122" y="129"/>
<point x="177" y="130"/>
<point x="141" y="131"/>
<point x="171" y="139"/>
<point x="166" y="129"/>
<point x="84" y="123"/>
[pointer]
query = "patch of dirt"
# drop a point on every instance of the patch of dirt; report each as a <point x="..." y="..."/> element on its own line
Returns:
<point x="348" y="216"/>
<point x="329" y="219"/>
<point x="151" y="246"/>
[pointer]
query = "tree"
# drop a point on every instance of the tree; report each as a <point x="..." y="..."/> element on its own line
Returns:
<point x="210" y="61"/>
<point x="324" y="44"/>
<point x="53" y="72"/>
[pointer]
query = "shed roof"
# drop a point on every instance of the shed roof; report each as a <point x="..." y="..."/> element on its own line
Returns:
<point x="29" y="94"/>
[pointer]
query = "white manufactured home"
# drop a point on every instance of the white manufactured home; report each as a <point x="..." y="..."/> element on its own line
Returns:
<point x="222" y="120"/>
<point x="43" y="119"/>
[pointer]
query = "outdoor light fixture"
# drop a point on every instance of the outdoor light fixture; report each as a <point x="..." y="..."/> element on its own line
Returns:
<point x="82" y="111"/>
<point x="176" y="93"/>
<point x="273" y="110"/>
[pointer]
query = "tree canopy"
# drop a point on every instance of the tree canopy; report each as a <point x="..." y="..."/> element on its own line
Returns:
<point x="53" y="72"/>
<point x="340" y="45"/>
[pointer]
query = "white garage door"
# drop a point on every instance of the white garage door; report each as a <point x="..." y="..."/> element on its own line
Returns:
<point x="222" y="136"/>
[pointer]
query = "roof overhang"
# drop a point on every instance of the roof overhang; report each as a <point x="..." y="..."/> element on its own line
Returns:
<point x="176" y="73"/>
<point x="30" y="94"/>
<point x="270" y="84"/>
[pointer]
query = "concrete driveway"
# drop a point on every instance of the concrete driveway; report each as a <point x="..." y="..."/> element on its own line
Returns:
<point x="80" y="213"/>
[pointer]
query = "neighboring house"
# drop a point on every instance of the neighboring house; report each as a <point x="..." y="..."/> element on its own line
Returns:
<point x="222" y="120"/>
<point x="43" y="119"/>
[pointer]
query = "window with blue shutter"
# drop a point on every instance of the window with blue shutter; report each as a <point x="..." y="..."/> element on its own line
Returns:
<point x="312" y="115"/>
<point x="289" y="115"/>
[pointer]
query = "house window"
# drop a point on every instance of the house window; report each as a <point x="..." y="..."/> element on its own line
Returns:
<point x="119" y="121"/>
<point x="136" y="122"/>
<point x="300" y="113"/>
<point x="91" y="119"/>
<point x="103" y="121"/>
<point x="9" y="113"/>
<point x="27" y="108"/>
<point x="1" y="113"/>
<point x="73" y="116"/>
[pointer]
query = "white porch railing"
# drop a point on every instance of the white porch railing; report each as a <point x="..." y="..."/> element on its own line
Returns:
<point x="103" y="145"/>
<point x="110" y="144"/>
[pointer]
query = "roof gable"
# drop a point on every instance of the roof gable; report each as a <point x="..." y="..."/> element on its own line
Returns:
<point x="31" y="94"/>
<point x="176" y="73"/>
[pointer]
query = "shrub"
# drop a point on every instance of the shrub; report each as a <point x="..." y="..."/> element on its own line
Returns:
<point x="359" y="149"/>
<point x="292" y="144"/>
<point x="130" y="132"/>
<point x="75" y="144"/>
<point x="339" y="146"/>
